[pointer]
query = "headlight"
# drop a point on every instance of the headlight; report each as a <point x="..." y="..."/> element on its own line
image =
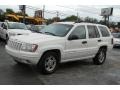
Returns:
<point x="29" y="47"/>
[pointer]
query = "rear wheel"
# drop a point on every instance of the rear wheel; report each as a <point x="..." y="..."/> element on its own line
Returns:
<point x="48" y="63"/>
<point x="7" y="38"/>
<point x="100" y="56"/>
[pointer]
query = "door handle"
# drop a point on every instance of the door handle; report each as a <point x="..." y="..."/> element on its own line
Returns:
<point x="99" y="40"/>
<point x="84" y="42"/>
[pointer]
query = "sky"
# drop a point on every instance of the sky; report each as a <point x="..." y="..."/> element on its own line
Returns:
<point x="67" y="10"/>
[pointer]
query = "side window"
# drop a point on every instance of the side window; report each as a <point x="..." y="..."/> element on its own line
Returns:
<point x="4" y="26"/>
<point x="80" y="32"/>
<point x="93" y="32"/>
<point x="104" y="31"/>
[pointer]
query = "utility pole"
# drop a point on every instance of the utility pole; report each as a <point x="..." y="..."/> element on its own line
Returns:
<point x="43" y="11"/>
<point x="23" y="11"/>
<point x="22" y="8"/>
<point x="77" y="16"/>
<point x="105" y="19"/>
<point x="57" y="15"/>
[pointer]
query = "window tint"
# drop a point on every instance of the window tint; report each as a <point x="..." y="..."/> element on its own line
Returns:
<point x="104" y="31"/>
<point x="80" y="32"/>
<point x="57" y="29"/>
<point x="93" y="32"/>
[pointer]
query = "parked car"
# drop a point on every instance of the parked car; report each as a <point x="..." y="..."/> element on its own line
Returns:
<point x="116" y="39"/>
<point x="37" y="28"/>
<point x="29" y="27"/>
<point x="13" y="28"/>
<point x="61" y="42"/>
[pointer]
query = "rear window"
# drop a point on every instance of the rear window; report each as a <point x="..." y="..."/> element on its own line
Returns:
<point x="93" y="32"/>
<point x="104" y="31"/>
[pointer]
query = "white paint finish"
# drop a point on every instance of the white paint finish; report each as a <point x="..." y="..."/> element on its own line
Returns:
<point x="70" y="50"/>
<point x="12" y="32"/>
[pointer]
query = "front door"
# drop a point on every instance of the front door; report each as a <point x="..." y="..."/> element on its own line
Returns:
<point x="76" y="45"/>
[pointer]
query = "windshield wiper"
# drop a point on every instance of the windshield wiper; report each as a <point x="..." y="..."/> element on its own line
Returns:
<point x="50" y="33"/>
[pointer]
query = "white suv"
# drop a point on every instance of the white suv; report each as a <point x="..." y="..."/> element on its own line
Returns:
<point x="61" y="42"/>
<point x="9" y="29"/>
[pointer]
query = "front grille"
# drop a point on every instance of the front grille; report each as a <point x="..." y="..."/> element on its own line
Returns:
<point x="14" y="44"/>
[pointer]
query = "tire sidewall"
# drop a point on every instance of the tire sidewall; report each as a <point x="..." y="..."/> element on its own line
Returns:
<point x="96" y="59"/>
<point x="41" y="64"/>
<point x="7" y="38"/>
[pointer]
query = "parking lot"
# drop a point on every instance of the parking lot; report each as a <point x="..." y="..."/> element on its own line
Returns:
<point x="76" y="73"/>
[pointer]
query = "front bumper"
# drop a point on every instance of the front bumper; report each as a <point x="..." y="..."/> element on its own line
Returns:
<point x="23" y="57"/>
<point x="116" y="43"/>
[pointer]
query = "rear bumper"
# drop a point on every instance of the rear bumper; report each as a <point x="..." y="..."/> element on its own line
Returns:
<point x="117" y="44"/>
<point x="23" y="57"/>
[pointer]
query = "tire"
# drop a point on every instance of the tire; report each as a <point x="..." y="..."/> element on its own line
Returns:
<point x="7" y="38"/>
<point x="100" y="57"/>
<point x="48" y="63"/>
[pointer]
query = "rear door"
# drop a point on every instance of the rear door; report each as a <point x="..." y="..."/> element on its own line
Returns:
<point x="93" y="39"/>
<point x="106" y="37"/>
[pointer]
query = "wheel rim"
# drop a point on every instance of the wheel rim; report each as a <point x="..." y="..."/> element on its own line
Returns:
<point x="101" y="56"/>
<point x="50" y="63"/>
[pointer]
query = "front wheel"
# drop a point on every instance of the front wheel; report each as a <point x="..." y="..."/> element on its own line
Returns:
<point x="100" y="57"/>
<point x="48" y="63"/>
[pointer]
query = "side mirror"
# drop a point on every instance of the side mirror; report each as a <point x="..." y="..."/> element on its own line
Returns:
<point x="73" y="37"/>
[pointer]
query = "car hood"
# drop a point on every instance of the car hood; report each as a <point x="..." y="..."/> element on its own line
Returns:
<point x="19" y="31"/>
<point x="35" y="38"/>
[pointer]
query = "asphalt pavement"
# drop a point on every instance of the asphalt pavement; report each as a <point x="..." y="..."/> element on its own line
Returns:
<point x="73" y="73"/>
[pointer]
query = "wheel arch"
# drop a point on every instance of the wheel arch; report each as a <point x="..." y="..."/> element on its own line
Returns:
<point x="104" y="46"/>
<point x="57" y="51"/>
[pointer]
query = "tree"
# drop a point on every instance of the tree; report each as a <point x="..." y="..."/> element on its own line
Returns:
<point x="112" y="24"/>
<point x="56" y="19"/>
<point x="70" y="18"/>
<point x="9" y="11"/>
<point x="2" y="17"/>
<point x="90" y="20"/>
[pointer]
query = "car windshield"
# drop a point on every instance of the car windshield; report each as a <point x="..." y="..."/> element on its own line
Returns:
<point x="17" y="26"/>
<point x="56" y="29"/>
<point x="116" y="35"/>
